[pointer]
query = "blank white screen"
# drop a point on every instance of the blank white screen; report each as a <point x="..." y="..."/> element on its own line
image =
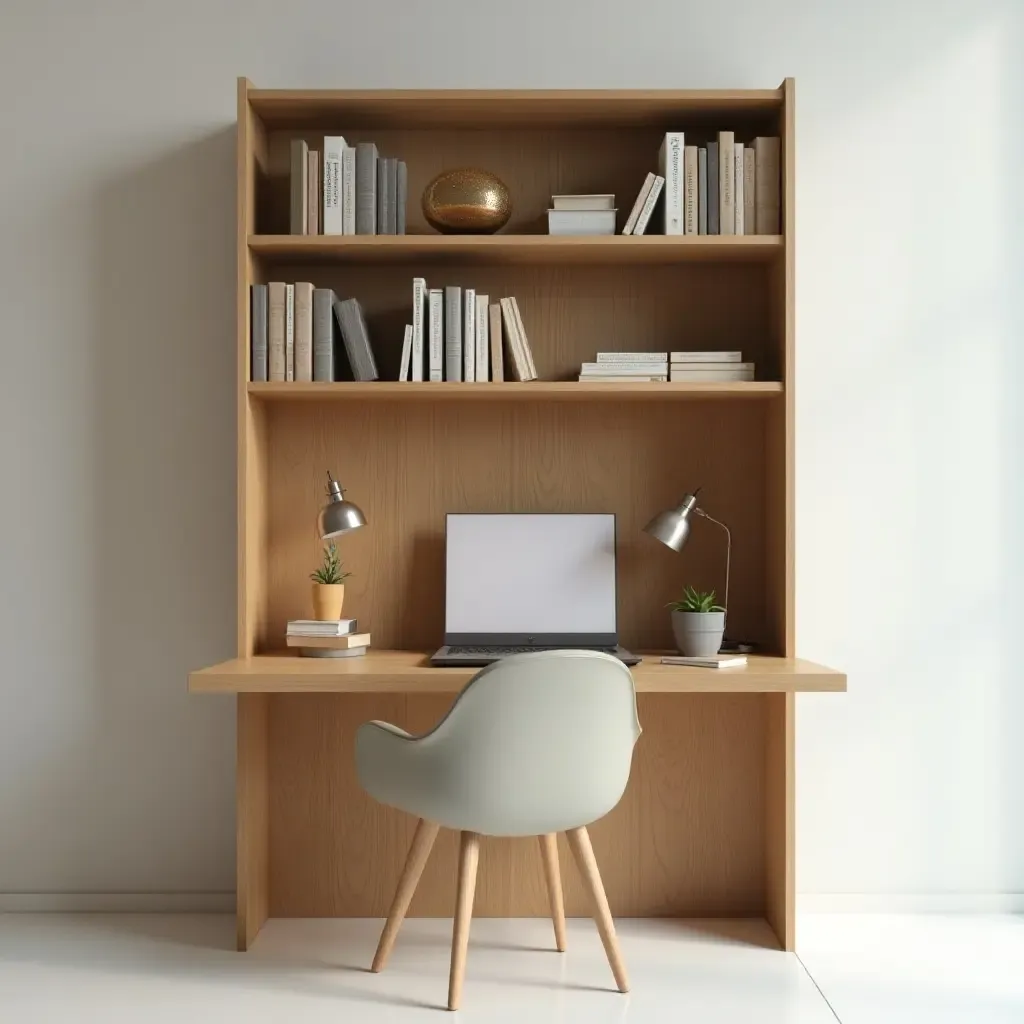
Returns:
<point x="530" y="574"/>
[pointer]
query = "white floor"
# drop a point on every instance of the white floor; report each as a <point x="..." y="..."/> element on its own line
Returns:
<point x="851" y="968"/>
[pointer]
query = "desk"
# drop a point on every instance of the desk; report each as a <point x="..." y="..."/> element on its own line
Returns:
<point x="706" y="827"/>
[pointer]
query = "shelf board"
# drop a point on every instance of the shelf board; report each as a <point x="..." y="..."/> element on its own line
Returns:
<point x="410" y="672"/>
<point x="537" y="390"/>
<point x="506" y="249"/>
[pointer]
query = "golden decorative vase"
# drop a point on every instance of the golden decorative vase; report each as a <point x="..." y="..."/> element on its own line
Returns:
<point x="467" y="201"/>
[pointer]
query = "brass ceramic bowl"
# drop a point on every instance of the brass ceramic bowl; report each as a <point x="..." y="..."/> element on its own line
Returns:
<point x="467" y="201"/>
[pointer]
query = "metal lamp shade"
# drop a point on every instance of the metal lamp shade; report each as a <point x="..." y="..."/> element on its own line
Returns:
<point x="672" y="527"/>
<point x="339" y="515"/>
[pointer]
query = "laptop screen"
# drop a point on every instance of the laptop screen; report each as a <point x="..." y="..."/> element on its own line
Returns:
<point x="526" y="578"/>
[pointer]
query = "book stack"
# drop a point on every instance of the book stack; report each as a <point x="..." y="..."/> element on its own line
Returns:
<point x="582" y="215"/>
<point x="301" y="333"/>
<point x="459" y="335"/>
<point x="709" y="367"/>
<point x="627" y="368"/>
<point x="346" y="190"/>
<point x="334" y="639"/>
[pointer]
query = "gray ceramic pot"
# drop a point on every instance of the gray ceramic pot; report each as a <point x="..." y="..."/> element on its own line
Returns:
<point x="698" y="634"/>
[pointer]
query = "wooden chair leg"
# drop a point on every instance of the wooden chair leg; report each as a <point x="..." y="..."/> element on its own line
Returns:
<point x="553" y="880"/>
<point x="469" y="857"/>
<point x="419" y="851"/>
<point x="579" y="841"/>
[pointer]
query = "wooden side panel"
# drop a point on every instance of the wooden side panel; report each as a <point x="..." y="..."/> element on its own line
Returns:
<point x="687" y="839"/>
<point x="780" y="817"/>
<point x="252" y="817"/>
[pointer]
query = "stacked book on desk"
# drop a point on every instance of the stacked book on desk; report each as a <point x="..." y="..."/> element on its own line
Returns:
<point x="333" y="639"/>
<point x="582" y="215"/>
<point x="626" y="368"/>
<point x="709" y="367"/>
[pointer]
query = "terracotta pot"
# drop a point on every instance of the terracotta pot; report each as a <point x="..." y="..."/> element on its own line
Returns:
<point x="328" y="599"/>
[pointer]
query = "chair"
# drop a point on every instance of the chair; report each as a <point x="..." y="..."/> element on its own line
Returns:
<point x="535" y="744"/>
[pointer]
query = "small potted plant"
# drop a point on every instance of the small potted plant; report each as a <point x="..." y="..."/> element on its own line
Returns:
<point x="698" y="624"/>
<point x="329" y="586"/>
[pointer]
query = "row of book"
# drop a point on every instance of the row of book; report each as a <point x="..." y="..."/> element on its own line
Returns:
<point x="338" y="635"/>
<point x="658" y="367"/>
<point x="345" y="190"/>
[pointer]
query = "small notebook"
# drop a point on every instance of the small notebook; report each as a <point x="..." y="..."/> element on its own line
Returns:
<point x="715" y="661"/>
<point x="318" y="627"/>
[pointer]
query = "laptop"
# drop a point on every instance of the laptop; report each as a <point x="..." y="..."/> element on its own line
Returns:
<point x="528" y="582"/>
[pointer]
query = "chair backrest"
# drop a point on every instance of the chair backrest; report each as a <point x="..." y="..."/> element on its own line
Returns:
<point x="540" y="742"/>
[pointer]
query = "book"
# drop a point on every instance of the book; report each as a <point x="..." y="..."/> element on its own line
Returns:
<point x="713" y="189"/>
<point x="452" y="334"/>
<point x="595" y="202"/>
<point x="469" y="335"/>
<point x="348" y="190"/>
<point x="703" y="357"/>
<point x="333" y="214"/>
<point x="258" y="332"/>
<point x="483" y="343"/>
<point x="517" y="362"/>
<point x="419" y="326"/>
<point x="649" y="203"/>
<point x="403" y="366"/>
<point x="670" y="167"/>
<point x="638" y="205"/>
<point x="715" y="661"/>
<point x="711" y="367"/>
<point x="702" y="191"/>
<point x="289" y="332"/>
<point x="313" y="195"/>
<point x="738" y="201"/>
<point x="749" y="192"/>
<point x="314" y="652"/>
<point x="649" y="378"/>
<point x="366" y="188"/>
<point x="689" y="190"/>
<point x="628" y="357"/>
<point x="401" y="197"/>
<point x="436" y="330"/>
<point x="497" y="355"/>
<point x="275" y="330"/>
<point x="387" y="195"/>
<point x="726" y="183"/>
<point x="696" y="375"/>
<point x="298" y="181"/>
<point x="581" y="222"/>
<point x="303" y="331"/>
<point x="767" y="181"/>
<point x="322" y="627"/>
<point x="356" y="339"/>
<point x="524" y="341"/>
<point x="624" y="369"/>
<point x="337" y="643"/>
<point x="323" y="334"/>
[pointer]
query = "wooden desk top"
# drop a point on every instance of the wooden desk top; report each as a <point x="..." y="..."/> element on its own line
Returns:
<point x="410" y="672"/>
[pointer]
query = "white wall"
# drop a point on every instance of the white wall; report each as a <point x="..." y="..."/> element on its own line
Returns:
<point x="117" y="432"/>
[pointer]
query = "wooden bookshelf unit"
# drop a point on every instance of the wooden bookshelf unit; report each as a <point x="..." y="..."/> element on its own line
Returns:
<point x="706" y="827"/>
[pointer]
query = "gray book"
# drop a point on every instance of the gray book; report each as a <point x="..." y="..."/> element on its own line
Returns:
<point x="453" y="333"/>
<point x="366" y="188"/>
<point x="258" y="332"/>
<point x="387" y="195"/>
<point x="702" y="191"/>
<point x="401" y="195"/>
<point x="356" y="339"/>
<point x="323" y="334"/>
<point x="712" y="203"/>
<point x="299" y="187"/>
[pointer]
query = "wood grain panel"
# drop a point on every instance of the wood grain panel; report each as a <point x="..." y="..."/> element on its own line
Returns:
<point x="688" y="837"/>
<point x="780" y="816"/>
<point x="252" y="820"/>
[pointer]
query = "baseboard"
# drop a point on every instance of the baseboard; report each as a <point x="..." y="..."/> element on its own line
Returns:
<point x="911" y="903"/>
<point x="117" y="902"/>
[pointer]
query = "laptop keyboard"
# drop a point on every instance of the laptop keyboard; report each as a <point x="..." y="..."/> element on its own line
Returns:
<point x="501" y="652"/>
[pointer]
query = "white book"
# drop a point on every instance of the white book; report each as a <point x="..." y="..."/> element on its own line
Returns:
<point x="670" y="167"/>
<point x="581" y="222"/>
<point x="348" y="191"/>
<point x="649" y="203"/>
<point x="333" y="218"/>
<point x="322" y="627"/>
<point x="641" y="198"/>
<point x="517" y="361"/>
<point x="690" y="190"/>
<point x="697" y="376"/>
<point x="715" y="661"/>
<point x="469" y="335"/>
<point x="403" y="369"/>
<point x="452" y="333"/>
<point x="726" y="184"/>
<point x="483" y="340"/>
<point x="704" y="357"/>
<point x="729" y="367"/>
<point x="651" y="378"/>
<point x="524" y="341"/>
<point x="628" y="357"/>
<point x="738" y="173"/>
<point x="595" y="202"/>
<point x="419" y="325"/>
<point x="289" y="332"/>
<point x="625" y="368"/>
<point x="436" y="321"/>
<point x="303" y="344"/>
<point x="702" y="191"/>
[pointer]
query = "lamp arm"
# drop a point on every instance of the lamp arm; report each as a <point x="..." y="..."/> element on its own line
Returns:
<point x="728" y="554"/>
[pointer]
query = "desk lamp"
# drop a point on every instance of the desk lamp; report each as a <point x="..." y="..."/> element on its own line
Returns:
<point x="339" y="515"/>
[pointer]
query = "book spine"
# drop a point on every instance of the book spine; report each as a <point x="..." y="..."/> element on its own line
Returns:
<point x="452" y="334"/>
<point x="303" y="331"/>
<point x="696" y="376"/>
<point x="436" y="334"/>
<point x="713" y="189"/>
<point x="670" y="167"/>
<point x="356" y="339"/>
<point x="313" y="195"/>
<point x="275" y="330"/>
<point x="403" y="369"/>
<point x="348" y="190"/>
<point x="333" y="221"/>
<point x="366" y="188"/>
<point x="768" y="181"/>
<point x="382" y="196"/>
<point x="298" y="183"/>
<point x="323" y="334"/>
<point x="649" y="203"/>
<point x="524" y="341"/>
<point x="289" y="332"/>
<point x="690" y="190"/>
<point x="419" y="325"/>
<point x="637" y="366"/>
<point x="641" y="197"/>
<point x="392" y="183"/>
<point x="258" y="332"/>
<point x="516" y="361"/>
<point x="483" y="347"/>
<point x="401" y="197"/>
<point x="702" y="191"/>
<point x="705" y="357"/>
<point x="726" y="183"/>
<point x="737" y="177"/>
<point x="469" y="336"/>
<point x="652" y="378"/>
<point x="631" y="357"/>
<point x="749" y="192"/>
<point x="497" y="355"/>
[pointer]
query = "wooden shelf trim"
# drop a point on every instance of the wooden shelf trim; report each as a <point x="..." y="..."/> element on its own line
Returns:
<point x="409" y="672"/>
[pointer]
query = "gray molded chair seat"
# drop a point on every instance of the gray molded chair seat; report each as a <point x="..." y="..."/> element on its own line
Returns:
<point x="535" y="744"/>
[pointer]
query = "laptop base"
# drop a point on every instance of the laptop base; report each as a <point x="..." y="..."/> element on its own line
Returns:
<point x="470" y="656"/>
